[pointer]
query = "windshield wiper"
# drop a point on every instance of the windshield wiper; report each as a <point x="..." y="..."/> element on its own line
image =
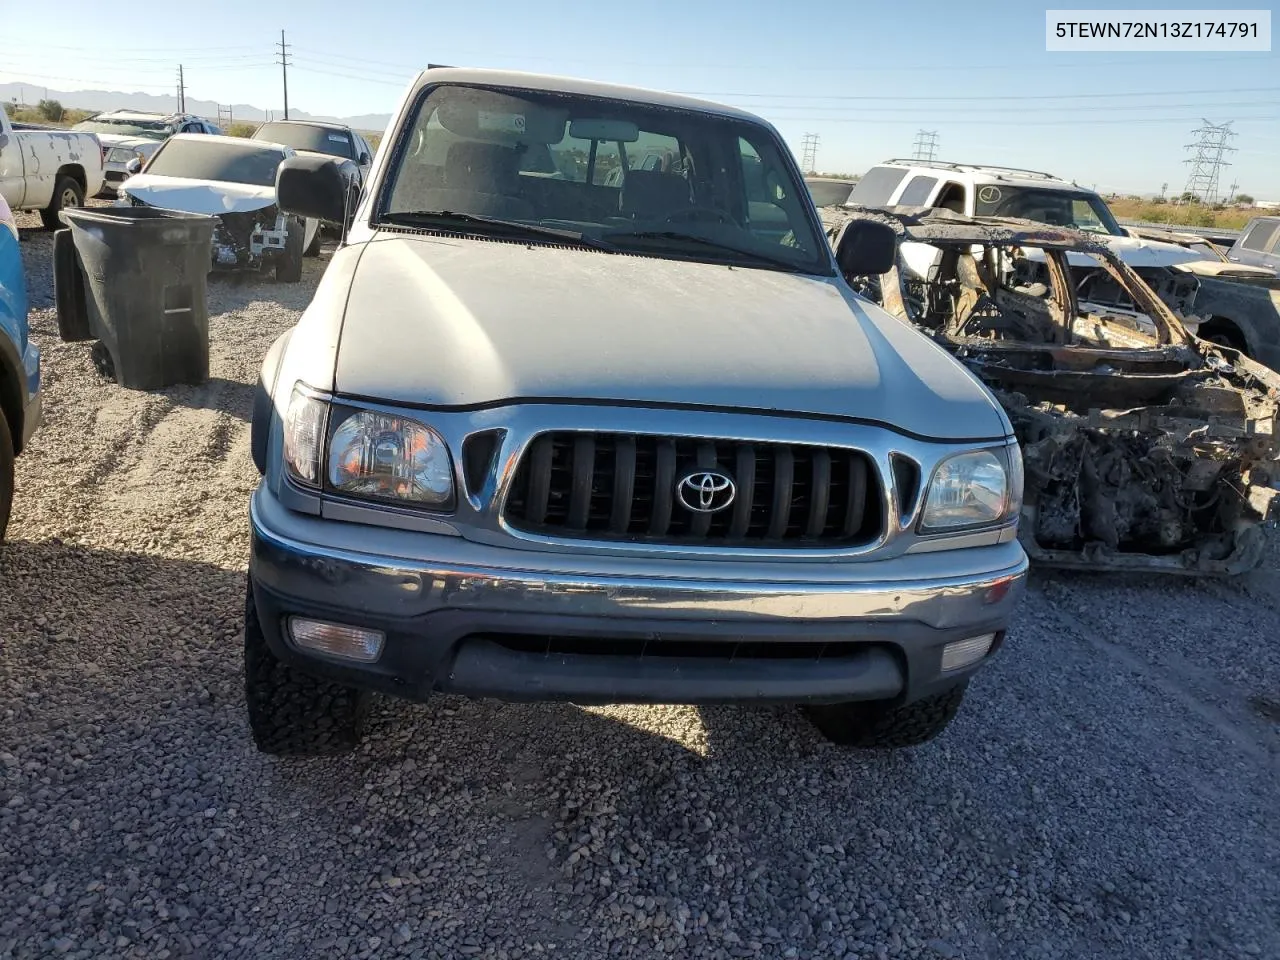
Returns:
<point x="753" y="255"/>
<point x="508" y="228"/>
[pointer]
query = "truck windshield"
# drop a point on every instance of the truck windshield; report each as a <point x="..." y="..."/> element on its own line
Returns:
<point x="303" y="136"/>
<point x="151" y="129"/>
<point x="665" y="182"/>
<point x="1059" y="208"/>
<point x="203" y="158"/>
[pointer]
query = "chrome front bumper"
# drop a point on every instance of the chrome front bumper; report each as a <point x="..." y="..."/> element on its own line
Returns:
<point x="441" y="600"/>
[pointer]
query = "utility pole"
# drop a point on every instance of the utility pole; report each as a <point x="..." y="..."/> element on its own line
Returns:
<point x="1207" y="159"/>
<point x="284" y="71"/>
<point x="182" y="92"/>
<point x="224" y="116"/>
<point x="809" y="152"/>
<point x="926" y="145"/>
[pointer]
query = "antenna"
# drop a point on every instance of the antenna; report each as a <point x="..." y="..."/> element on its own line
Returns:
<point x="1207" y="159"/>
<point x="926" y="145"/>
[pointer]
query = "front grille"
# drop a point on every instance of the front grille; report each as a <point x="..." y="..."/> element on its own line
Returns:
<point x="623" y="487"/>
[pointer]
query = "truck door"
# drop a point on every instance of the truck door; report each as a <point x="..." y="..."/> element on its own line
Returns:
<point x="13" y="185"/>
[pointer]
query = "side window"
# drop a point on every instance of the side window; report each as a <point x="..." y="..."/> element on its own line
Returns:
<point x="1261" y="235"/>
<point x="917" y="191"/>
<point x="1083" y="217"/>
<point x="876" y="187"/>
<point x="770" y="207"/>
<point x="951" y="198"/>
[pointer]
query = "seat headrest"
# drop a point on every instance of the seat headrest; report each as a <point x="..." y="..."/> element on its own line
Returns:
<point x="651" y="194"/>
<point x="483" y="167"/>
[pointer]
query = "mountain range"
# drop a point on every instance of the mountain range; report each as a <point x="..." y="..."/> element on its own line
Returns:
<point x="32" y="93"/>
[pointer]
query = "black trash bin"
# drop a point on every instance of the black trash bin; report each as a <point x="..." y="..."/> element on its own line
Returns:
<point x="146" y="284"/>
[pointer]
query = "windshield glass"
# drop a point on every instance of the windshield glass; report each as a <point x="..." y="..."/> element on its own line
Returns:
<point x="1058" y="208"/>
<point x="204" y="159"/>
<point x="302" y="136"/>
<point x="647" y="179"/>
<point x="152" y="129"/>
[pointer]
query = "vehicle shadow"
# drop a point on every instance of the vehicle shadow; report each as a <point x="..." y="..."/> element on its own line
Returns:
<point x="232" y="397"/>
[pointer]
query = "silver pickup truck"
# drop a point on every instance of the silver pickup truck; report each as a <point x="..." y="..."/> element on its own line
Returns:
<point x="608" y="439"/>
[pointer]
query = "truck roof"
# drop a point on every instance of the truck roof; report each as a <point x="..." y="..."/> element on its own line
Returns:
<point x="570" y="85"/>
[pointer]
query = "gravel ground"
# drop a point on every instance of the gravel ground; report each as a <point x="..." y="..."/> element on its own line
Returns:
<point x="1109" y="789"/>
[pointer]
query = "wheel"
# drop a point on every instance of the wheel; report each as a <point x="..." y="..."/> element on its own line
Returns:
<point x="69" y="289"/>
<point x="67" y="192"/>
<point x="291" y="713"/>
<point x="881" y="725"/>
<point x="6" y="475"/>
<point x="289" y="263"/>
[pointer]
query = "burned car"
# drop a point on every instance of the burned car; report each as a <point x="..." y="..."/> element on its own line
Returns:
<point x="1146" y="447"/>
<point x="234" y="180"/>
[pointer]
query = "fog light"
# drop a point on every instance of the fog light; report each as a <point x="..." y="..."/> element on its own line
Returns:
<point x="336" y="639"/>
<point x="964" y="652"/>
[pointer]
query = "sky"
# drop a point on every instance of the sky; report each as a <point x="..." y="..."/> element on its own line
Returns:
<point x="864" y="77"/>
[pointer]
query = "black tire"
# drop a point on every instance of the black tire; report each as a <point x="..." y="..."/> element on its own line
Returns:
<point x="291" y="713"/>
<point x="6" y="475"/>
<point x="289" y="263"/>
<point x="314" y="249"/>
<point x="67" y="192"/>
<point x="69" y="289"/>
<point x="880" y="725"/>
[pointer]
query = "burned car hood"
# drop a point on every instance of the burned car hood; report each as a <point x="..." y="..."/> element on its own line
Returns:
<point x="211" y="197"/>
<point x="454" y="322"/>
<point x="1134" y="251"/>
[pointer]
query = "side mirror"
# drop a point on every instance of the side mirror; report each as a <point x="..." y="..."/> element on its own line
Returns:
<point x="315" y="187"/>
<point x="866" y="248"/>
<point x="133" y="166"/>
<point x="365" y="159"/>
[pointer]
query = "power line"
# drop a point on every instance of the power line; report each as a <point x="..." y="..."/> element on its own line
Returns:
<point x="926" y="144"/>
<point x="1207" y="160"/>
<point x="284" y="71"/>
<point x="809" y="152"/>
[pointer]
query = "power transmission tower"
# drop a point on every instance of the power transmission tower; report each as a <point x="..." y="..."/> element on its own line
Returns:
<point x="1235" y="185"/>
<point x="926" y="145"/>
<point x="1207" y="159"/>
<point x="1163" y="188"/>
<point x="182" y="92"/>
<point x="809" y="152"/>
<point x="284" y="71"/>
<point x="224" y="116"/>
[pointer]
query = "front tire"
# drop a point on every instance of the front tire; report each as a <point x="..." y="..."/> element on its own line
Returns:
<point x="289" y="263"/>
<point x="291" y="713"/>
<point x="880" y="725"/>
<point x="67" y="194"/>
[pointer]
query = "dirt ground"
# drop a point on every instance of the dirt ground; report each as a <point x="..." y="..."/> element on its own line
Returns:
<point x="1109" y="790"/>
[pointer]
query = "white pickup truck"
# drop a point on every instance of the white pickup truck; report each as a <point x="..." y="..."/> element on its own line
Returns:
<point x="47" y="169"/>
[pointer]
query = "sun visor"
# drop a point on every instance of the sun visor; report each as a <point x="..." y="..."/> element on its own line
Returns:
<point x="498" y="117"/>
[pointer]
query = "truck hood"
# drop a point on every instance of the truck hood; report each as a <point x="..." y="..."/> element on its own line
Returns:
<point x="453" y="322"/>
<point x="198" y="196"/>
<point x="1134" y="251"/>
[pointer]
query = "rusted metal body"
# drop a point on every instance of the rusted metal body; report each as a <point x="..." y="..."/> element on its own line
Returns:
<point x="1146" y="448"/>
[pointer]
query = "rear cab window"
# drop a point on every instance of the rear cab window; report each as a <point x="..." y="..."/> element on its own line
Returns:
<point x="1261" y="236"/>
<point x="877" y="186"/>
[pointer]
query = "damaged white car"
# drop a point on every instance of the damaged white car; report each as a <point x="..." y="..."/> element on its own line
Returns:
<point x="1146" y="447"/>
<point x="234" y="180"/>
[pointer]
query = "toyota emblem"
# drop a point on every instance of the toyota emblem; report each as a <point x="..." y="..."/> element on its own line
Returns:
<point x="705" y="491"/>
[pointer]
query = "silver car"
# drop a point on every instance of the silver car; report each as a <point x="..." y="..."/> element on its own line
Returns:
<point x="551" y="438"/>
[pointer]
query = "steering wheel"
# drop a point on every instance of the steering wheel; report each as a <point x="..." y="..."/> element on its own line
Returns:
<point x="699" y="213"/>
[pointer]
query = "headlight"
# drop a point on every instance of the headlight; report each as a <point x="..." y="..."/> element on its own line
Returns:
<point x="304" y="424"/>
<point x="973" y="489"/>
<point x="390" y="457"/>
